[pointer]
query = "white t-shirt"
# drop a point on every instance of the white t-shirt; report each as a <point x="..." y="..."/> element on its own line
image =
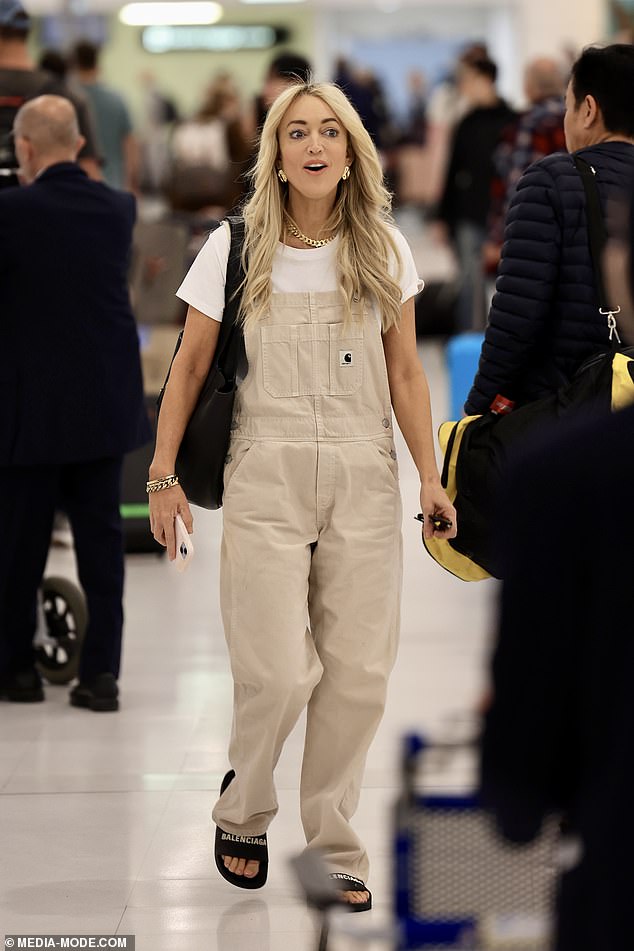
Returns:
<point x="294" y="269"/>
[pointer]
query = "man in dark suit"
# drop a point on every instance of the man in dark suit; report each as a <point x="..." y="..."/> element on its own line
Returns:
<point x="559" y="733"/>
<point x="71" y="394"/>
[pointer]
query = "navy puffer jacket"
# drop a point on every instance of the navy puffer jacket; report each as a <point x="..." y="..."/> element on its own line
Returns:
<point x="544" y="320"/>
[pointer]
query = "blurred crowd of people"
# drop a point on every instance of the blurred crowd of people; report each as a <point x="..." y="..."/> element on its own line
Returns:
<point x="456" y="154"/>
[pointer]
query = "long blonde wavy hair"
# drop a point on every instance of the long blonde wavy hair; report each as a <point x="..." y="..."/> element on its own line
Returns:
<point x="361" y="214"/>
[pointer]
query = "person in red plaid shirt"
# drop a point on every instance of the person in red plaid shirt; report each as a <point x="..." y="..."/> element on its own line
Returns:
<point x="537" y="132"/>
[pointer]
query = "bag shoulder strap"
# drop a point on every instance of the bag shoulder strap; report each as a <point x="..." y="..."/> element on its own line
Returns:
<point x="230" y="336"/>
<point x="597" y="239"/>
<point x="235" y="271"/>
<point x="597" y="235"/>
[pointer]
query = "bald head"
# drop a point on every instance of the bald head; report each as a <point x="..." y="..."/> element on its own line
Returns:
<point x="543" y="79"/>
<point x="49" y="122"/>
<point x="46" y="132"/>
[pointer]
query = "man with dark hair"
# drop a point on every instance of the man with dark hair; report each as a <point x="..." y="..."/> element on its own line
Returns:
<point x="290" y="65"/>
<point x="52" y="61"/>
<point x="284" y="70"/>
<point x="464" y="205"/>
<point x="544" y="319"/>
<point x="117" y="142"/>
<point x="20" y="81"/>
<point x="72" y="395"/>
<point x="606" y="75"/>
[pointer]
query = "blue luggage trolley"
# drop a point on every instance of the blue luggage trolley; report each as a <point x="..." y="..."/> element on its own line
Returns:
<point x="458" y="884"/>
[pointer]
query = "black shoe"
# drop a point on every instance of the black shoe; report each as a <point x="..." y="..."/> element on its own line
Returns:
<point x="23" y="687"/>
<point x="99" y="694"/>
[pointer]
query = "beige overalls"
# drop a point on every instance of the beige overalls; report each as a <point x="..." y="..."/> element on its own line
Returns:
<point x="310" y="566"/>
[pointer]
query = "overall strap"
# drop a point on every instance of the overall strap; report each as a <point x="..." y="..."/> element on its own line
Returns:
<point x="597" y="239"/>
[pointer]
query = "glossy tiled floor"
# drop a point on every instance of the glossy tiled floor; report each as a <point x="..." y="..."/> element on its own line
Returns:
<point x="105" y="819"/>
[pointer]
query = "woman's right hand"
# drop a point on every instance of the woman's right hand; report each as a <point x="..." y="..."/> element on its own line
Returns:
<point x="164" y="507"/>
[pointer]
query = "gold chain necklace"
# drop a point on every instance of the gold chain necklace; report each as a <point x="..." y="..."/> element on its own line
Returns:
<point x="312" y="242"/>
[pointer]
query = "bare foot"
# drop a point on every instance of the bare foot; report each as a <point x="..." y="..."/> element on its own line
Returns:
<point x="244" y="867"/>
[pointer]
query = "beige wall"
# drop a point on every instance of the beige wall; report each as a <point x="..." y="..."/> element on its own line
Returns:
<point x="551" y="26"/>
<point x="185" y="75"/>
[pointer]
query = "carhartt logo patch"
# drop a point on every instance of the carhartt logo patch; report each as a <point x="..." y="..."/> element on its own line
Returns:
<point x="346" y="358"/>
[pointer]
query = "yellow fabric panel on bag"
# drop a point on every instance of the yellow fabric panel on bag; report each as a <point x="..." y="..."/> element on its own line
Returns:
<point x="440" y="549"/>
<point x="622" y="382"/>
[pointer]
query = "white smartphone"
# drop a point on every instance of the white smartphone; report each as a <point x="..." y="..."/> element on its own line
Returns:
<point x="184" y="545"/>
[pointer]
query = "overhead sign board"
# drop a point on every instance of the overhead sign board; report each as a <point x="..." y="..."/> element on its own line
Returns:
<point x="219" y="38"/>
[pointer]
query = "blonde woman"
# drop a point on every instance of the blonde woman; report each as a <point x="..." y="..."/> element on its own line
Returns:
<point x="311" y="551"/>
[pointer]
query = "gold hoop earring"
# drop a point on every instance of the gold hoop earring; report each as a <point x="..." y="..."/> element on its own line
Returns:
<point x="281" y="174"/>
<point x="346" y="174"/>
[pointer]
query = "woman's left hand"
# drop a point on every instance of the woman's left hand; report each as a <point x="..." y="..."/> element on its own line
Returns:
<point x="434" y="501"/>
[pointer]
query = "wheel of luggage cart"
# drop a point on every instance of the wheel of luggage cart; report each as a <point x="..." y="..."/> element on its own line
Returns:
<point x="62" y="621"/>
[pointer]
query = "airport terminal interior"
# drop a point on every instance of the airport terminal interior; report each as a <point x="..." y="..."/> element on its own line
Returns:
<point x="105" y="820"/>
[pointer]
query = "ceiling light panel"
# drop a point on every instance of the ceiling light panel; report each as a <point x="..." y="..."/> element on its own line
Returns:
<point x="185" y="12"/>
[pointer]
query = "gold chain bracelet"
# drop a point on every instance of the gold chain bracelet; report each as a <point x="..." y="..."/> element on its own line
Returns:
<point x="156" y="485"/>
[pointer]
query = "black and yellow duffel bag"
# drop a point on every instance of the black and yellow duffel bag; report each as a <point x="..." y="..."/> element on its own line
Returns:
<point x="477" y="450"/>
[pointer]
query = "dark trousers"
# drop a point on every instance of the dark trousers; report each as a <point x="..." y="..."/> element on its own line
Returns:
<point x="89" y="494"/>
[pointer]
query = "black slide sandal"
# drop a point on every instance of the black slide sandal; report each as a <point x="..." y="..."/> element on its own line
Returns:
<point x="251" y="847"/>
<point x="346" y="883"/>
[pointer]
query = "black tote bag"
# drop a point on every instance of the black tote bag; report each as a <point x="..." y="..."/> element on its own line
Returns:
<point x="200" y="461"/>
